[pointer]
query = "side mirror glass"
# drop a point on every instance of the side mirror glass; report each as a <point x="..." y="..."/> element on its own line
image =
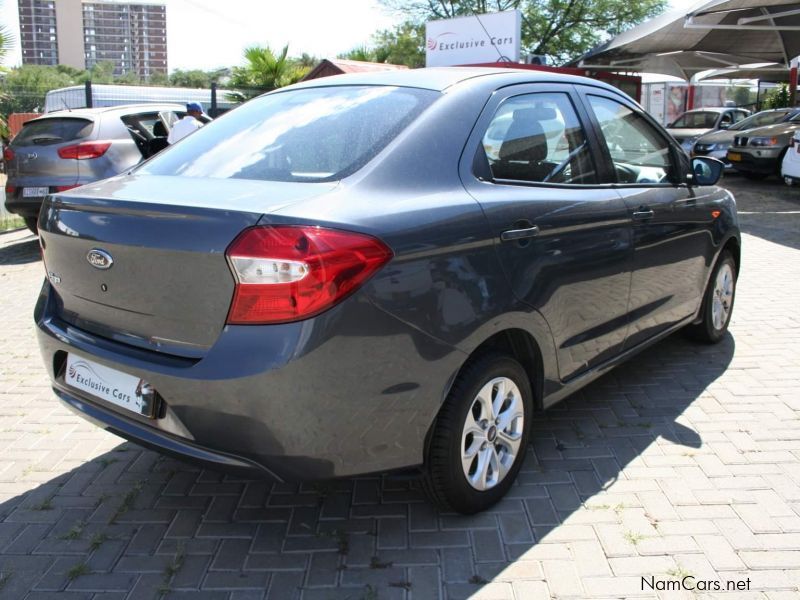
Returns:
<point x="706" y="170"/>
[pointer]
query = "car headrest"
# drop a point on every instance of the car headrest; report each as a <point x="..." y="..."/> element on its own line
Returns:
<point x="525" y="139"/>
<point x="159" y="130"/>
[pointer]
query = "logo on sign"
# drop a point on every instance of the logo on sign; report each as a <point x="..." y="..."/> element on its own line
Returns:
<point x="99" y="259"/>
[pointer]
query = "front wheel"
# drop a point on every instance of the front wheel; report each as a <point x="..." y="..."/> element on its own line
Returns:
<point x="717" y="302"/>
<point x="480" y="435"/>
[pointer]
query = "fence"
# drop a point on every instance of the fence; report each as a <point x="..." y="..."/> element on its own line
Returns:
<point x="40" y="99"/>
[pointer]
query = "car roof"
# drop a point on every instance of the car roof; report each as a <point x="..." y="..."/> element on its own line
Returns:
<point x="124" y="109"/>
<point x="441" y="78"/>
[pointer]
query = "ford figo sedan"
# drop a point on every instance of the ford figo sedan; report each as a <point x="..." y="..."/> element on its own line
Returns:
<point x="340" y="278"/>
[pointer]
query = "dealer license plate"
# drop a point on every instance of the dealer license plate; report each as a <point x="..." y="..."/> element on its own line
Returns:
<point x="118" y="388"/>
<point x="734" y="156"/>
<point x="35" y="192"/>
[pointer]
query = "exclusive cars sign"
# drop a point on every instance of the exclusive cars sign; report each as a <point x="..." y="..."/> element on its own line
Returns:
<point x="485" y="38"/>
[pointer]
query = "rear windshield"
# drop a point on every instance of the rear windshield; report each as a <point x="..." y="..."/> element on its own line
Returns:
<point x="696" y="120"/>
<point x="316" y="134"/>
<point x="52" y="131"/>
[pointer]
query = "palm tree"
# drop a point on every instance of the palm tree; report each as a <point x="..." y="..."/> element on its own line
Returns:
<point x="265" y="70"/>
<point x="6" y="45"/>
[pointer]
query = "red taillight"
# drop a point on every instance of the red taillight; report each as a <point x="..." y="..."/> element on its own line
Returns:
<point x="287" y="273"/>
<point x="84" y="150"/>
<point x="8" y="154"/>
<point x="10" y="189"/>
<point x="64" y="188"/>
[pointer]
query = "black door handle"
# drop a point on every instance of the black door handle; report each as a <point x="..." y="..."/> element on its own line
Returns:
<point x="511" y="235"/>
<point x="643" y="213"/>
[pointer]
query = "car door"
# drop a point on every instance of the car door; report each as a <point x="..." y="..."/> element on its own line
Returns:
<point x="670" y="223"/>
<point x="563" y="241"/>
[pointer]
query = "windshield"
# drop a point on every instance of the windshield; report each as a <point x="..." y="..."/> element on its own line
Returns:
<point x="795" y="118"/>
<point x="696" y="120"/>
<point x="760" y="120"/>
<point x="52" y="131"/>
<point x="315" y="134"/>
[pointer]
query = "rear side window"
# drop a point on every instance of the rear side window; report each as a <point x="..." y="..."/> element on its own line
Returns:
<point x="52" y="131"/>
<point x="316" y="134"/>
<point x="538" y="138"/>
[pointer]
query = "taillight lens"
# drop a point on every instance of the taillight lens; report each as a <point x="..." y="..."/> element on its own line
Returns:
<point x="64" y="188"/>
<point x="8" y="154"/>
<point x="84" y="150"/>
<point x="288" y="273"/>
<point x="10" y="189"/>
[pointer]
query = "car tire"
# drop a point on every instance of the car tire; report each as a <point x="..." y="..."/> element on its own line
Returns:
<point x="31" y="223"/>
<point x="718" y="302"/>
<point x="472" y="459"/>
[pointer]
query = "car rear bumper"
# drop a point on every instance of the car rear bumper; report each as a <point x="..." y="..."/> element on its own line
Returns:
<point x="24" y="207"/>
<point x="351" y="391"/>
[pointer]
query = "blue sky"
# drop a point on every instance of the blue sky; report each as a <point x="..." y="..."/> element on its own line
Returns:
<point x="204" y="34"/>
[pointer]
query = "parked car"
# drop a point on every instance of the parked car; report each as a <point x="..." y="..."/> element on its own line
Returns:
<point x="716" y="143"/>
<point x="790" y="168"/>
<point x="335" y="279"/>
<point x="70" y="148"/>
<point x="695" y="123"/>
<point x="758" y="153"/>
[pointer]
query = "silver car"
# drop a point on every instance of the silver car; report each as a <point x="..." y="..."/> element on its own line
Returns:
<point x="694" y="123"/>
<point x="716" y="143"/>
<point x="66" y="149"/>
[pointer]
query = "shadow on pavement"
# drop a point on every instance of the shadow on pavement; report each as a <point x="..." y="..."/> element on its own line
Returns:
<point x="766" y="207"/>
<point x="133" y="521"/>
<point x="19" y="251"/>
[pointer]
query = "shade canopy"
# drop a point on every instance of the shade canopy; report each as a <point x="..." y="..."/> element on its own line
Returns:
<point x="739" y="32"/>
<point x="774" y="74"/>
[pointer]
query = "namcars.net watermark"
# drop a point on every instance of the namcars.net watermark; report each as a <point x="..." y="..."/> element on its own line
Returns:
<point x="690" y="583"/>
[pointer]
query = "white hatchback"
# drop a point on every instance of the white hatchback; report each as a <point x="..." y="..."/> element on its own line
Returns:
<point x="790" y="169"/>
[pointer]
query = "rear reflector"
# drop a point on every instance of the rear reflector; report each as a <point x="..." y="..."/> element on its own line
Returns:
<point x="10" y="189"/>
<point x="64" y="188"/>
<point x="288" y="273"/>
<point x="8" y="154"/>
<point x="84" y="150"/>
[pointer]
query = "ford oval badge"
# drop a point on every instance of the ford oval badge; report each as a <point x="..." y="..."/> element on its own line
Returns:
<point x="99" y="259"/>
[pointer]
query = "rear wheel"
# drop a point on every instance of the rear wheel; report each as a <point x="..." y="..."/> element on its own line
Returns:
<point x="480" y="435"/>
<point x="30" y="223"/>
<point x="717" y="302"/>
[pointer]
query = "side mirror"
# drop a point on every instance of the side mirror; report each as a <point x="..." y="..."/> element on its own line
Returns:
<point x="706" y="170"/>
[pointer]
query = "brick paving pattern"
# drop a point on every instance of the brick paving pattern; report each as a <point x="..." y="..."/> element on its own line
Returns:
<point x="683" y="462"/>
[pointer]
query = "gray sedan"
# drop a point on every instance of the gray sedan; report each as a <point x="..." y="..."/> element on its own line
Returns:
<point x="382" y="271"/>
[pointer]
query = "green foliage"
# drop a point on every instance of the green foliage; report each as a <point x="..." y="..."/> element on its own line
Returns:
<point x="24" y="88"/>
<point x="403" y="45"/>
<point x="560" y="29"/>
<point x="777" y="97"/>
<point x="265" y="70"/>
<point x="194" y="78"/>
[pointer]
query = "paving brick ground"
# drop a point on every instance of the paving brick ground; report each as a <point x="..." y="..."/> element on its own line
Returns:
<point x="684" y="462"/>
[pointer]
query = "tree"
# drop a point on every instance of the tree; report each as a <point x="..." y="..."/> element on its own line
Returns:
<point x="560" y="29"/>
<point x="194" y="78"/>
<point x="403" y="45"/>
<point x="264" y="70"/>
<point x="25" y="87"/>
<point x="777" y="97"/>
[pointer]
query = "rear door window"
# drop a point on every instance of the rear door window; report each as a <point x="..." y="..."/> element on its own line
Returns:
<point x="52" y="131"/>
<point x="538" y="138"/>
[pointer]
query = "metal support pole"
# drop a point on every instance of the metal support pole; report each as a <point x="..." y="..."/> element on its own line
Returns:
<point x="213" y="110"/>
<point x="88" y="88"/>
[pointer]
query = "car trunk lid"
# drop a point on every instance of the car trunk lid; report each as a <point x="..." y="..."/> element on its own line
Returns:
<point x="141" y="260"/>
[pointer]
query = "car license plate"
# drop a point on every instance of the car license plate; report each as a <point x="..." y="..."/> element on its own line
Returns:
<point x="120" y="389"/>
<point x="35" y="192"/>
<point x="734" y="156"/>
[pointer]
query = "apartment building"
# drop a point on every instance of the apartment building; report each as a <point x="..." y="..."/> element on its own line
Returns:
<point x="82" y="33"/>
